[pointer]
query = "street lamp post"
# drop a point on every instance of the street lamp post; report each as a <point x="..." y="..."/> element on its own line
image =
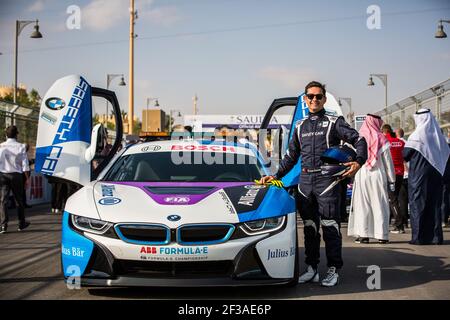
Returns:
<point x="349" y="103"/>
<point x="383" y="78"/>
<point x="20" y="25"/>
<point x="149" y="99"/>
<point x="171" y="118"/>
<point x="440" y="31"/>
<point x="109" y="78"/>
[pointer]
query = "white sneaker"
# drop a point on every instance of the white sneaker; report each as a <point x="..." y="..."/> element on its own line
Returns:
<point x="310" y="275"/>
<point x="331" y="279"/>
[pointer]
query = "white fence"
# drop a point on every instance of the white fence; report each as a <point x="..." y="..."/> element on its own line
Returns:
<point x="436" y="98"/>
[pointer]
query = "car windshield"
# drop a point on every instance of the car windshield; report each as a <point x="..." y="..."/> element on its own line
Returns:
<point x="185" y="167"/>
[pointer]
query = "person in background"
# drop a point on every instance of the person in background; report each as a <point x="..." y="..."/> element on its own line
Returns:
<point x="397" y="147"/>
<point x="403" y="194"/>
<point x="343" y="199"/>
<point x="428" y="155"/>
<point x="13" y="164"/>
<point x="445" y="208"/>
<point x="59" y="194"/>
<point x="369" y="213"/>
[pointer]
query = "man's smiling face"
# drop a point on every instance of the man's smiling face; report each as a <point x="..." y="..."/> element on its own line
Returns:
<point x="315" y="104"/>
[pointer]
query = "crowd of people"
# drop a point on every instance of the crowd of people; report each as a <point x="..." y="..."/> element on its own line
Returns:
<point x="402" y="179"/>
<point x="393" y="178"/>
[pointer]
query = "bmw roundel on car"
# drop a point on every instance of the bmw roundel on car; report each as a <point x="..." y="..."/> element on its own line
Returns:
<point x="165" y="213"/>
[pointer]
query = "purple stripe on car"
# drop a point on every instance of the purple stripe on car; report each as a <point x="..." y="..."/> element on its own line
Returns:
<point x="179" y="198"/>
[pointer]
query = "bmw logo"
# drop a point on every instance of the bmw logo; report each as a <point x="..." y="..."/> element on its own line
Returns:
<point x="173" y="217"/>
<point x="109" y="201"/>
<point x="55" y="103"/>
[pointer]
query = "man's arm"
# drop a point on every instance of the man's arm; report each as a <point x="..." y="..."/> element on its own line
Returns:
<point x="25" y="164"/>
<point x="291" y="157"/>
<point x="350" y="135"/>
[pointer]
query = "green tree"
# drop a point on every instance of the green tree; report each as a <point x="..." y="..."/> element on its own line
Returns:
<point x="28" y="124"/>
<point x="35" y="98"/>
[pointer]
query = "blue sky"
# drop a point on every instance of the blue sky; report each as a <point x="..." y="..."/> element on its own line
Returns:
<point x="236" y="55"/>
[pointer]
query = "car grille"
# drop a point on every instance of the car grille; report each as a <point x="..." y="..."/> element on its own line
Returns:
<point x="144" y="233"/>
<point x="173" y="269"/>
<point x="204" y="233"/>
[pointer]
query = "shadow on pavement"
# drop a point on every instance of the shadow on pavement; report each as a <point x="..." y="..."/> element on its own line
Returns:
<point x="399" y="270"/>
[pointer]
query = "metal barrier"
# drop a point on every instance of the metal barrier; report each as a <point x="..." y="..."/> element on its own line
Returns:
<point x="436" y="98"/>
<point x="25" y="118"/>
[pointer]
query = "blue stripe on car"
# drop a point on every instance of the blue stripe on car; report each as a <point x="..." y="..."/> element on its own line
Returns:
<point x="277" y="202"/>
<point x="76" y="250"/>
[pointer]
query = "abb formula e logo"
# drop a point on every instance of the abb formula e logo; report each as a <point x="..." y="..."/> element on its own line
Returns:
<point x="148" y="250"/>
<point x="203" y="148"/>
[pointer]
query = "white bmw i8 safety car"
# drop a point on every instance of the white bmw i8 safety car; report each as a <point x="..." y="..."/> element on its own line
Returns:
<point x="166" y="213"/>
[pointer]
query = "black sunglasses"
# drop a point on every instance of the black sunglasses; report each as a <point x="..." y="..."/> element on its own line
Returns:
<point x="311" y="96"/>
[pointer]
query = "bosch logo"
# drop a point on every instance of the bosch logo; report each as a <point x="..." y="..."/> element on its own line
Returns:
<point x="109" y="201"/>
<point x="174" y="217"/>
<point x="55" y="103"/>
<point x="177" y="200"/>
<point x="151" y="148"/>
<point x="254" y="187"/>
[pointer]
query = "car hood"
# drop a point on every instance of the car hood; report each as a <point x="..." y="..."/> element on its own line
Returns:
<point x="209" y="202"/>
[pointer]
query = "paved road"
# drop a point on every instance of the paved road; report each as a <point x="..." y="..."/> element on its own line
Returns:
<point x="30" y="269"/>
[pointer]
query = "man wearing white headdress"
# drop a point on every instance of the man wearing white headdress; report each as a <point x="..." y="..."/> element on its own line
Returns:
<point x="369" y="210"/>
<point x="428" y="155"/>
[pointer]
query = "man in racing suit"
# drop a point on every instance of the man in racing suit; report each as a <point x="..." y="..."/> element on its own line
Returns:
<point x="312" y="136"/>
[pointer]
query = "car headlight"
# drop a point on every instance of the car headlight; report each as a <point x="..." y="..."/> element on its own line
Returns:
<point x="90" y="225"/>
<point x="262" y="226"/>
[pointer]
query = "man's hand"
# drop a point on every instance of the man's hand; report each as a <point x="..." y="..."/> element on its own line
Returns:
<point x="266" y="179"/>
<point x="354" y="167"/>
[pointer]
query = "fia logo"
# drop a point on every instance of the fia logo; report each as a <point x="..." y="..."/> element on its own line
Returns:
<point x="177" y="200"/>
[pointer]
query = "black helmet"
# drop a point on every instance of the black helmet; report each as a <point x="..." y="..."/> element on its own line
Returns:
<point x="338" y="154"/>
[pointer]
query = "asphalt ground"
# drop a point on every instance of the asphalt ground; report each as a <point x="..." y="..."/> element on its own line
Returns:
<point x="30" y="269"/>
